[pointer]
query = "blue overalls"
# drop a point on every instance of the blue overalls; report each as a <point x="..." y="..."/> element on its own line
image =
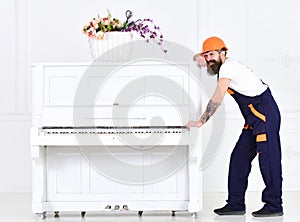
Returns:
<point x="259" y="136"/>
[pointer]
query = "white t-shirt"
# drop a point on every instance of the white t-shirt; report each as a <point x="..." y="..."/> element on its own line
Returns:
<point x="243" y="79"/>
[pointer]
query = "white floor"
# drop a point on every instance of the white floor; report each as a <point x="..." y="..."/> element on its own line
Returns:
<point x="16" y="208"/>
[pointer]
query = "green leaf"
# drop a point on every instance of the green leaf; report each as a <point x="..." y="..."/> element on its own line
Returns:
<point x="108" y="13"/>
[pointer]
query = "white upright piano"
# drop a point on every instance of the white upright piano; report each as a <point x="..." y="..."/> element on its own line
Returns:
<point x="111" y="137"/>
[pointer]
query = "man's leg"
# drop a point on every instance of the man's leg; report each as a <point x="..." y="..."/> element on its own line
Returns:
<point x="239" y="169"/>
<point x="270" y="167"/>
<point x="240" y="166"/>
<point x="269" y="148"/>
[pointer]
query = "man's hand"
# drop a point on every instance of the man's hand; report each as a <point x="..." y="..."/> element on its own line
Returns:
<point x="200" y="60"/>
<point x="193" y="124"/>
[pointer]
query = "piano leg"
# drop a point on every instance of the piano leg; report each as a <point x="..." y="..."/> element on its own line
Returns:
<point x="194" y="215"/>
<point x="38" y="155"/>
<point x="195" y="173"/>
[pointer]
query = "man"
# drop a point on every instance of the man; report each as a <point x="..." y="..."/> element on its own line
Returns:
<point x="260" y="135"/>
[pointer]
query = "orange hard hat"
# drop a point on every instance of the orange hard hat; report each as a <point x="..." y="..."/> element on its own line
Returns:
<point x="213" y="43"/>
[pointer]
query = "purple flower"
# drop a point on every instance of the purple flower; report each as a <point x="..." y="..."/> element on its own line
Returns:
<point x="145" y="28"/>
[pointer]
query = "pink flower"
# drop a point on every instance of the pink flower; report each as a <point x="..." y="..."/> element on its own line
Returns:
<point x="91" y="32"/>
<point x="94" y="23"/>
<point x="106" y="21"/>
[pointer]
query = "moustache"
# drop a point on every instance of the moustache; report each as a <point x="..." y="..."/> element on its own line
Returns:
<point x="211" y="62"/>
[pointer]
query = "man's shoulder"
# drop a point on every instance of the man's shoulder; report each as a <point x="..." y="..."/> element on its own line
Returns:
<point x="230" y="60"/>
<point x="233" y="63"/>
<point x="229" y="63"/>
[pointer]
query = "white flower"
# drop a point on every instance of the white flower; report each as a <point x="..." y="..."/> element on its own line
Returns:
<point x="99" y="35"/>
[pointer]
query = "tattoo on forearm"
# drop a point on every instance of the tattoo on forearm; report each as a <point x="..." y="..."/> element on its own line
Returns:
<point x="210" y="110"/>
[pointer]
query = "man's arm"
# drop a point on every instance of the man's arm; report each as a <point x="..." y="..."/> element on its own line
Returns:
<point x="213" y="103"/>
<point x="216" y="100"/>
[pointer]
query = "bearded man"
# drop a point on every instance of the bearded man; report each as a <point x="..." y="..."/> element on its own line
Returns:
<point x="260" y="133"/>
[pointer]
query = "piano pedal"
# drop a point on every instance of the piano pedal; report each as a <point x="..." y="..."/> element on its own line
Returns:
<point x="116" y="207"/>
<point x="107" y="208"/>
<point x="125" y="208"/>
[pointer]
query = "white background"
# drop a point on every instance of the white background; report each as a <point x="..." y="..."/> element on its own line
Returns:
<point x="263" y="34"/>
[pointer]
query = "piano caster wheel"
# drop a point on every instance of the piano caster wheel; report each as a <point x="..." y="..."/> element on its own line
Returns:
<point x="140" y="213"/>
<point x="56" y="213"/>
<point x="83" y="213"/>
<point x="194" y="215"/>
<point x="41" y="216"/>
<point x="173" y="213"/>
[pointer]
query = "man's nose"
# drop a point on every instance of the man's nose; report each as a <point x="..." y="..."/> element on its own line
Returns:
<point x="208" y="58"/>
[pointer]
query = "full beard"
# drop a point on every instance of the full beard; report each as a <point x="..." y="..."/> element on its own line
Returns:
<point x="214" y="67"/>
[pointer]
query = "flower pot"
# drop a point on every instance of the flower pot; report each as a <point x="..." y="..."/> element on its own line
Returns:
<point x="115" y="46"/>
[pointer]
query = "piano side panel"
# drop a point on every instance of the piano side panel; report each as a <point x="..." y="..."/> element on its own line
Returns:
<point x="37" y="90"/>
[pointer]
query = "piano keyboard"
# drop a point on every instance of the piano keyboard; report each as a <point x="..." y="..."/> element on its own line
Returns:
<point x="134" y="130"/>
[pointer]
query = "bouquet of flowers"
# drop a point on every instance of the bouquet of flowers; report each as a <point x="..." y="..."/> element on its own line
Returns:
<point x="146" y="28"/>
